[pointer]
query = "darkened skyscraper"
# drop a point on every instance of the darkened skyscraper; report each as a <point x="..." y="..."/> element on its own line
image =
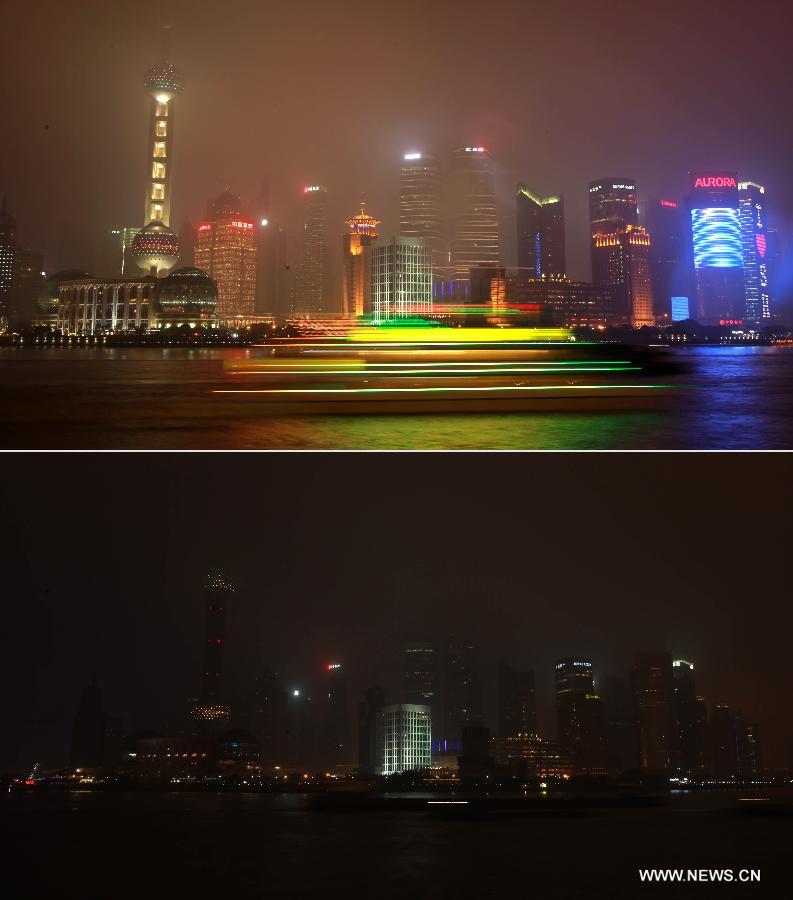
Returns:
<point x="722" y="742"/>
<point x="541" y="239"/>
<point x="271" y="718"/>
<point x="420" y="673"/>
<point x="655" y="701"/>
<point x="691" y="718"/>
<point x="580" y="719"/>
<point x="211" y="706"/>
<point x="462" y="691"/>
<point x="517" y="704"/>
<point x="335" y="733"/>
<point x="718" y="248"/>
<point x="474" y="214"/>
<point x="311" y="280"/>
<point x="369" y="721"/>
<point x="88" y="732"/>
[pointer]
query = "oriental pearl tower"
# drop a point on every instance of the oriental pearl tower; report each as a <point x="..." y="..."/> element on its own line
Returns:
<point x="156" y="247"/>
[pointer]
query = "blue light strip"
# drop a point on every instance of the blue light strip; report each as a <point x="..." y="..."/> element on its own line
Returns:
<point x="717" y="238"/>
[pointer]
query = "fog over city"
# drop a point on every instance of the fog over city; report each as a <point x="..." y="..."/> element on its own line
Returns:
<point x="647" y="93"/>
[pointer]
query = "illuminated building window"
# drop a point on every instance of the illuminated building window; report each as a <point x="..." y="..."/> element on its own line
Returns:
<point x="162" y="109"/>
<point x="156" y="211"/>
<point x="158" y="170"/>
<point x="159" y="149"/>
<point x="158" y="191"/>
<point x="161" y="129"/>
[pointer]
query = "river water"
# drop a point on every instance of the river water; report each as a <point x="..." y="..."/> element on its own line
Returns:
<point x="163" y="399"/>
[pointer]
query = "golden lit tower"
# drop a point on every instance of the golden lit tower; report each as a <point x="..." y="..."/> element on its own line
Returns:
<point x="356" y="299"/>
<point x="162" y="85"/>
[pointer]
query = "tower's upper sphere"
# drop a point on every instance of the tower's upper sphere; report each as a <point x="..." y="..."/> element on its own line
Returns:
<point x="155" y="248"/>
<point x="162" y="82"/>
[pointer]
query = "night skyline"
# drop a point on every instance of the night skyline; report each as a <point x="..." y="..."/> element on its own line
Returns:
<point x="135" y="618"/>
<point x="78" y="173"/>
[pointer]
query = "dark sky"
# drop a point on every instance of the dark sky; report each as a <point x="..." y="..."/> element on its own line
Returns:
<point x="341" y="556"/>
<point x="335" y="92"/>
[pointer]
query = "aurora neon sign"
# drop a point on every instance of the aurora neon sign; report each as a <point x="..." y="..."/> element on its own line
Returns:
<point x="715" y="181"/>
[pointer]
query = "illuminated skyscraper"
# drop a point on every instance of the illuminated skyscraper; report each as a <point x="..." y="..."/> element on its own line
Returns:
<point x="356" y="290"/>
<point x="517" y="704"/>
<point x="310" y="287"/>
<point x="210" y="707"/>
<point x="475" y="239"/>
<point x="654" y="686"/>
<point x="718" y="248"/>
<point x="401" y="279"/>
<point x="421" y="204"/>
<point x="404" y="738"/>
<point x="621" y="251"/>
<point x="227" y="251"/>
<point x="754" y="231"/>
<point x="8" y="245"/>
<point x="579" y="714"/>
<point x="163" y="85"/>
<point x="541" y="239"/>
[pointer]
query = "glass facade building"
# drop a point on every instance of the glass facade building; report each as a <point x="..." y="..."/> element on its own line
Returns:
<point x="541" y="238"/>
<point x="405" y="738"/>
<point x="310" y="286"/>
<point x="754" y="235"/>
<point x="475" y="240"/>
<point x="401" y="279"/>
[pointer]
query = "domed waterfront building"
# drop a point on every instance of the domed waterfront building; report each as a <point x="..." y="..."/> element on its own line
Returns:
<point x="187" y="296"/>
<point x="155" y="249"/>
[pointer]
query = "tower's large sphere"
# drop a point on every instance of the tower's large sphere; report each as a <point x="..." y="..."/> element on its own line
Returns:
<point x="155" y="248"/>
<point x="162" y="82"/>
<point x="187" y="292"/>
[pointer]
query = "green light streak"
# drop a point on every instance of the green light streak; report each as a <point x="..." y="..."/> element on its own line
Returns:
<point x="445" y="390"/>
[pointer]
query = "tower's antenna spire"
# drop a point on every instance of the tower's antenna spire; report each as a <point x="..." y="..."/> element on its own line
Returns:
<point x="165" y="42"/>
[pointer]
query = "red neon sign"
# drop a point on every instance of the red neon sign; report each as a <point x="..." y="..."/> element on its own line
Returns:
<point x="761" y="243"/>
<point x="712" y="181"/>
<point x="244" y="225"/>
<point x="669" y="203"/>
<point x="204" y="227"/>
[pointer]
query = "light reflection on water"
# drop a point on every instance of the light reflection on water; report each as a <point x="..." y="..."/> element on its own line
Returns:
<point x="71" y="398"/>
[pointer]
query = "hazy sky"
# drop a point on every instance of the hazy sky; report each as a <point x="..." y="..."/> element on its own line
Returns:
<point x="335" y="92"/>
<point x="342" y="557"/>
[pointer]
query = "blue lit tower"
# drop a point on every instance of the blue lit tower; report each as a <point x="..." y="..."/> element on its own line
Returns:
<point x="541" y="244"/>
<point x="718" y="248"/>
<point x="754" y="230"/>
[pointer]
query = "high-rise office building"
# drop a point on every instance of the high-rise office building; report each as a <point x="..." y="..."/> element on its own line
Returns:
<point x="517" y="704"/>
<point x="357" y="271"/>
<point x="369" y="713"/>
<point x="541" y="238"/>
<point x="713" y="205"/>
<point x="462" y="701"/>
<point x="420" y="673"/>
<point x="8" y="245"/>
<point x="28" y="280"/>
<point x="621" y="251"/>
<point x="88" y="730"/>
<point x="579" y="710"/>
<point x="401" y="279"/>
<point x="475" y="239"/>
<point x="227" y="251"/>
<point x="691" y="719"/>
<point x="335" y="740"/>
<point x="421" y="206"/>
<point x="654" y="687"/>
<point x="670" y="256"/>
<point x="311" y="298"/>
<point x="121" y="239"/>
<point x="271" y="718"/>
<point x="404" y="738"/>
<point x="211" y="707"/>
<point x="754" y="232"/>
<point x="724" y="760"/>
<point x="163" y="85"/>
